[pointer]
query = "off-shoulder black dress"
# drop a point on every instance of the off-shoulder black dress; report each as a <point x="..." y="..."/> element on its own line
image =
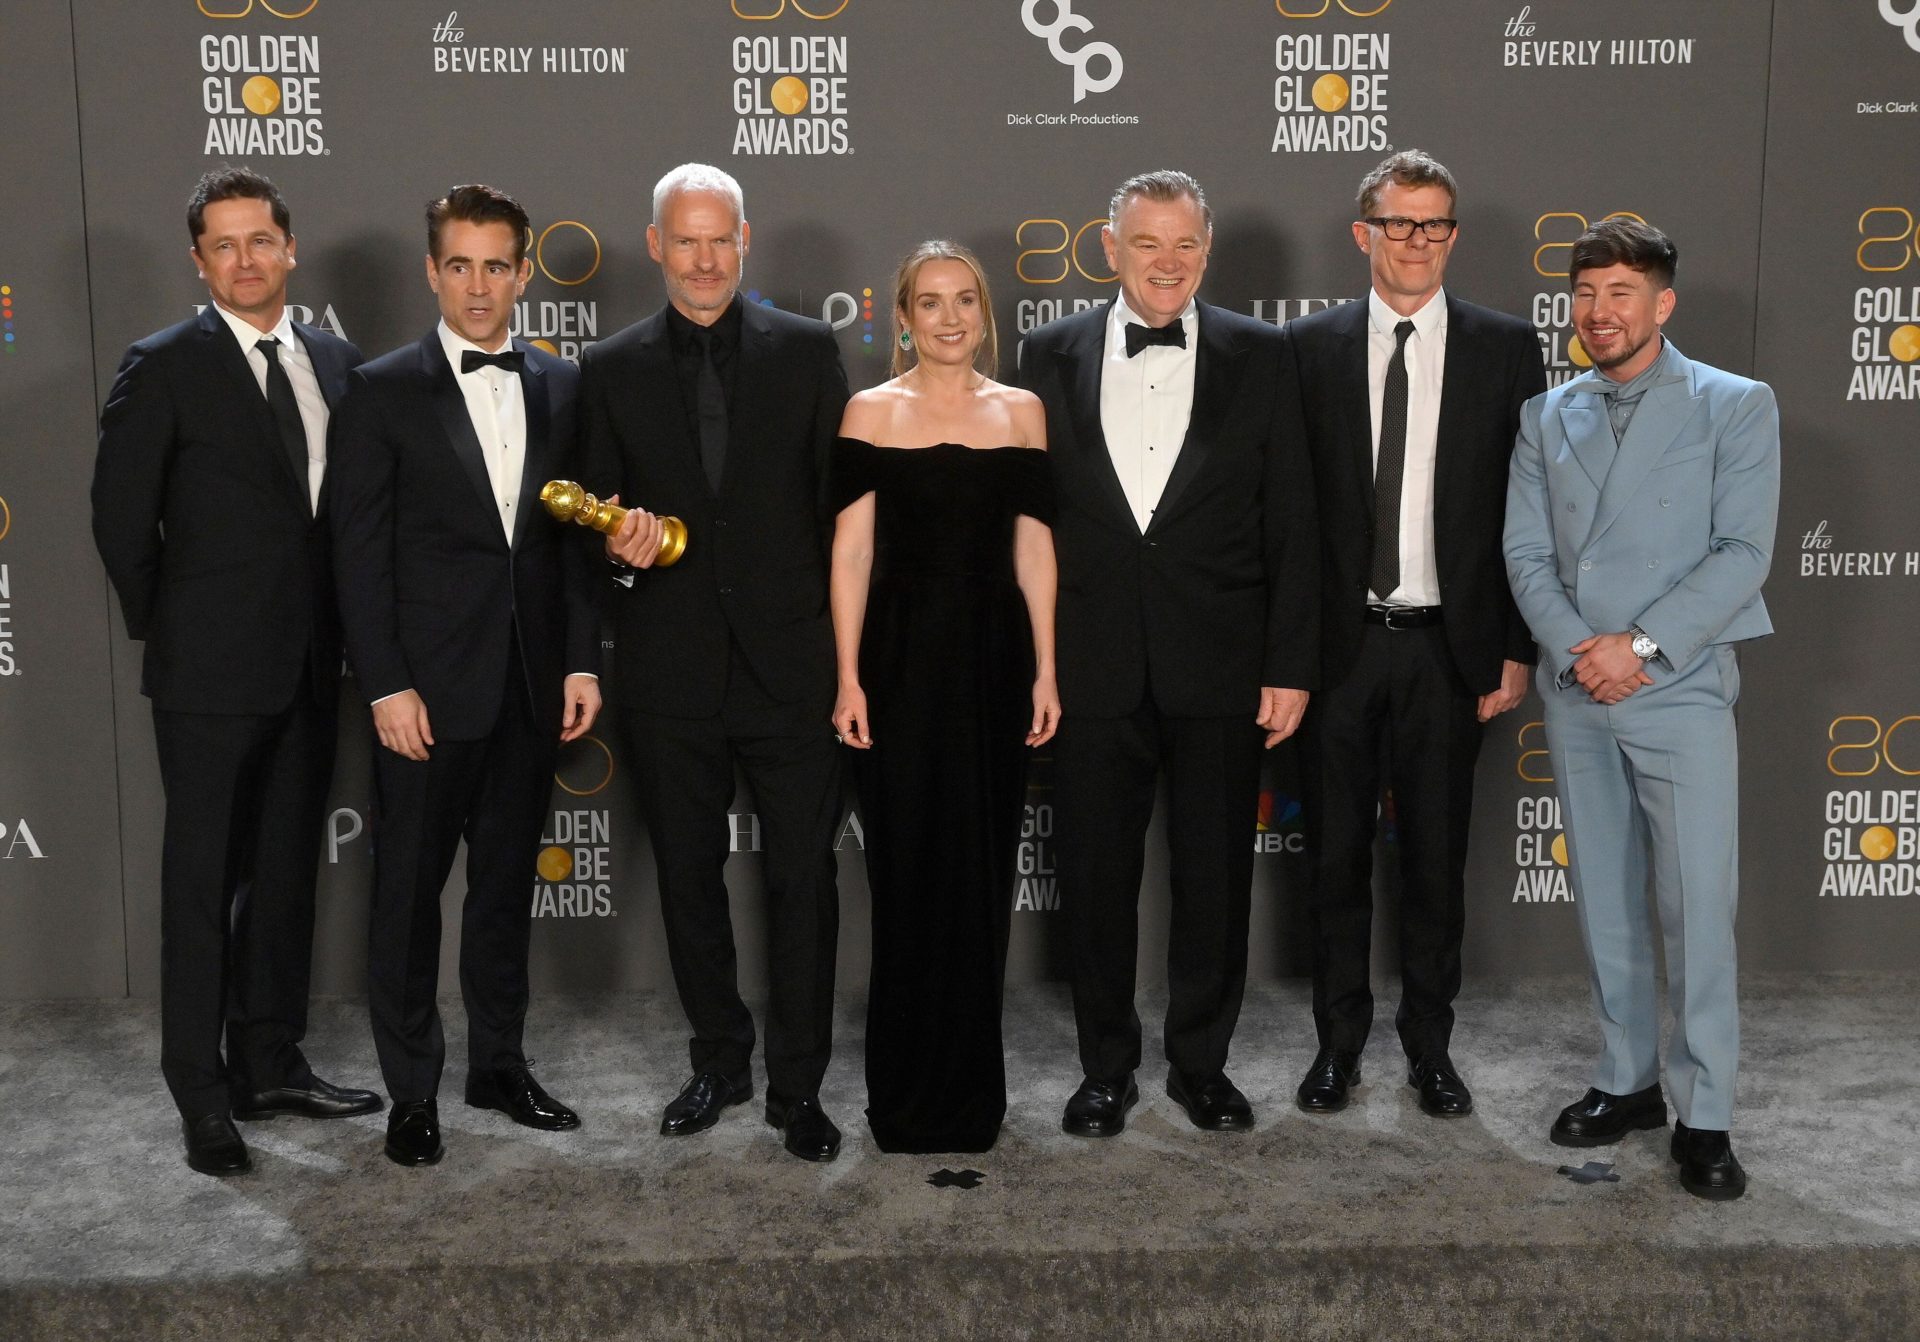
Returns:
<point x="946" y="660"/>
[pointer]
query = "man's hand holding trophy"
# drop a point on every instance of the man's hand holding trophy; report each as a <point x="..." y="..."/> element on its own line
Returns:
<point x="649" y="542"/>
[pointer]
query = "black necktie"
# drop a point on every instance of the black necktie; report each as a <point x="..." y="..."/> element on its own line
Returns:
<point x="286" y="413"/>
<point x="712" y="400"/>
<point x="1139" y="337"/>
<point x="510" y="359"/>
<point x="1388" y="470"/>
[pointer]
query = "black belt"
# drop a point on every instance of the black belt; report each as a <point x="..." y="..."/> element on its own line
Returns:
<point x="1403" y="617"/>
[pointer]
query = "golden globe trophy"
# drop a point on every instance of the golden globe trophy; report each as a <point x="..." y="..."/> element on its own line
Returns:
<point x="568" y="502"/>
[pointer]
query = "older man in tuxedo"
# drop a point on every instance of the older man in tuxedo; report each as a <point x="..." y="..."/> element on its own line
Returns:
<point x="1186" y="637"/>
<point x="210" y="498"/>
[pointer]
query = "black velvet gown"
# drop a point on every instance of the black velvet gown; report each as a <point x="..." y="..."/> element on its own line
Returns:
<point x="946" y="660"/>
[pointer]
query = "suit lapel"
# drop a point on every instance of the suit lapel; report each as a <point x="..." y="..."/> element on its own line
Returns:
<point x="1081" y="360"/>
<point x="450" y="407"/>
<point x="242" y="384"/>
<point x="1589" y="434"/>
<point x="534" y="464"/>
<point x="1356" y="397"/>
<point x="666" y="419"/>
<point x="1664" y="411"/>
<point x="753" y="386"/>
<point x="1461" y="359"/>
<point x="331" y="373"/>
<point x="1216" y="365"/>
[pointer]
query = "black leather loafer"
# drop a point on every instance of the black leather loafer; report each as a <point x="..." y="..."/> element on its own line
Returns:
<point x="1329" y="1083"/>
<point x="1600" y="1118"/>
<point x="1214" y="1104"/>
<point x="1442" y="1093"/>
<point x="514" y="1092"/>
<point x="315" y="1099"/>
<point x="413" y="1133"/>
<point x="214" y="1146"/>
<point x="1099" y="1108"/>
<point x="1708" y="1167"/>
<point x="697" y="1107"/>
<point x="805" y="1127"/>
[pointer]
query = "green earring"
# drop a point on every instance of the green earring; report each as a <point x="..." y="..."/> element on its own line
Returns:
<point x="906" y="342"/>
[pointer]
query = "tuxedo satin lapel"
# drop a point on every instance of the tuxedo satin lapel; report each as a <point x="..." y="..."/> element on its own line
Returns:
<point x="1355" y="399"/>
<point x="536" y="467"/>
<point x="1664" y="411"/>
<point x="1215" y="374"/>
<point x="237" y="373"/>
<point x="450" y="407"/>
<point x="1081" y="370"/>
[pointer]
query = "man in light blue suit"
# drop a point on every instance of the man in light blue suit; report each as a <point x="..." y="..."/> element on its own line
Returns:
<point x="1640" y="525"/>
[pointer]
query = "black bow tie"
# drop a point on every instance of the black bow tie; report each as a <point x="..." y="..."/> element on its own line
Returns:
<point x="1139" y="337"/>
<point x="510" y="359"/>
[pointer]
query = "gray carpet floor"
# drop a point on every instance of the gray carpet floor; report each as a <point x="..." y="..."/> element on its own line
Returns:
<point x="1377" y="1222"/>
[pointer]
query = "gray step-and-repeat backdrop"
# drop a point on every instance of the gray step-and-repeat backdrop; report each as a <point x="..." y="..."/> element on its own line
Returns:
<point x="1775" y="139"/>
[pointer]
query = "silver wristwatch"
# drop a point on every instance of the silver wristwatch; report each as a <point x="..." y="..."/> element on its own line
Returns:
<point x="1643" y="645"/>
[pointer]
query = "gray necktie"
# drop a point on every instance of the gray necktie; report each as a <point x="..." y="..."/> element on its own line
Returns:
<point x="1389" y="469"/>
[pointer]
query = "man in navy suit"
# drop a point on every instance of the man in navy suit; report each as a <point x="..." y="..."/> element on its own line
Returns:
<point x="209" y="510"/>
<point x="471" y="630"/>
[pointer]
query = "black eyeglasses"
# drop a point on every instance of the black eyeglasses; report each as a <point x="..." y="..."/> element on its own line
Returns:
<point x="1400" y="228"/>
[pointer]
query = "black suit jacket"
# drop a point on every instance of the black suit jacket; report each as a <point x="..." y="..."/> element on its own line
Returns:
<point x="1492" y="368"/>
<point x="1216" y="599"/>
<point x="205" y="525"/>
<point x="432" y="595"/>
<point x="755" y="567"/>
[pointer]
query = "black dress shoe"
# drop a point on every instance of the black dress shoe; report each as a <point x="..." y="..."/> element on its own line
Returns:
<point x="1326" y="1086"/>
<point x="514" y="1092"/>
<point x="697" y="1107"/>
<point x="1214" y="1104"/>
<point x="1442" y="1093"/>
<point x="1708" y="1167"/>
<point x="214" y="1146"/>
<point x="1601" y="1118"/>
<point x="1099" y="1108"/>
<point x="808" y="1132"/>
<point x="315" y="1099"/>
<point x="413" y="1133"/>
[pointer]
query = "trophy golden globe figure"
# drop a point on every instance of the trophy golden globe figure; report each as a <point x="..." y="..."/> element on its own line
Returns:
<point x="567" y="501"/>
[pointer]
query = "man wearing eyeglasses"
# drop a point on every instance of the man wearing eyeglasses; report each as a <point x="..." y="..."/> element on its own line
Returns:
<point x="1408" y="401"/>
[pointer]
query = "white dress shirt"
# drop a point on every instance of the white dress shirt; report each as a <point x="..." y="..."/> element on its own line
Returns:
<point x="499" y="414"/>
<point x="1426" y="369"/>
<point x="1145" y="403"/>
<point x="306" y="387"/>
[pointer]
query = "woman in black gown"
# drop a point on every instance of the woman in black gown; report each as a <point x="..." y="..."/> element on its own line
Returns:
<point x="943" y="592"/>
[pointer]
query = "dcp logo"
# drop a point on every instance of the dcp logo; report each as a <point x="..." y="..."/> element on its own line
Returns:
<point x="1908" y="21"/>
<point x="239" y="9"/>
<point x="1065" y="20"/>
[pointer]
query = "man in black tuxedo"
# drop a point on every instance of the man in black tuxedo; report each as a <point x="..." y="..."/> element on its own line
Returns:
<point x="1185" y="627"/>
<point x="1408" y="400"/>
<point x="471" y="628"/>
<point x="209" y="511"/>
<point x="722" y="413"/>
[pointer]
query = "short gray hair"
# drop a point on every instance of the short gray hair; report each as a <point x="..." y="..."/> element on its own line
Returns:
<point x="1166" y="184"/>
<point x="698" y="177"/>
<point x="1409" y="167"/>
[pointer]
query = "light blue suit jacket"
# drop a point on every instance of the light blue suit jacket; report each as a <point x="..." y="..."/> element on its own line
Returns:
<point x="1672" y="531"/>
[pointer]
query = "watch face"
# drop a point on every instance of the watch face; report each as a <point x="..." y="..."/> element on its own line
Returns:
<point x="1644" y="646"/>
